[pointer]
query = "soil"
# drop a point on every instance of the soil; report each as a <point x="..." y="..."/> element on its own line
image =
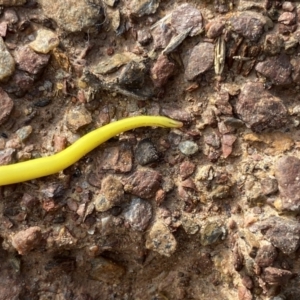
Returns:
<point x="206" y="211"/>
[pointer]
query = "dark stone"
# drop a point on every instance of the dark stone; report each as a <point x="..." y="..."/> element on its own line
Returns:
<point x="259" y="109"/>
<point x="146" y="152"/>
<point x="144" y="37"/>
<point x="20" y="83"/>
<point x="277" y="69"/>
<point x="54" y="190"/>
<point x="133" y="75"/>
<point x="212" y="233"/>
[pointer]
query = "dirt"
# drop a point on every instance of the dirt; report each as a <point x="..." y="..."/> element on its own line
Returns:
<point x="206" y="211"/>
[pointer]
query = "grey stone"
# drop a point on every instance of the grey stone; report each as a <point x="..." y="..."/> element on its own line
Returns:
<point x="177" y="114"/>
<point x="139" y="8"/>
<point x="200" y="60"/>
<point x="188" y="147"/>
<point x="269" y="186"/>
<point x="146" y="152"/>
<point x="162" y="36"/>
<point x="138" y="214"/>
<point x="186" y="16"/>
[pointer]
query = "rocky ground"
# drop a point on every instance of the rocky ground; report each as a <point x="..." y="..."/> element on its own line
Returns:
<point x="207" y="211"/>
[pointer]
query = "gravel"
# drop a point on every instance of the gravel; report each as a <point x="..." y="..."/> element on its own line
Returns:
<point x="206" y="211"/>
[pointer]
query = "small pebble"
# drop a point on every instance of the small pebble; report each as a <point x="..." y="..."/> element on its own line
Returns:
<point x="45" y="41"/>
<point x="24" y="132"/>
<point x="161" y="240"/>
<point x="188" y="147"/>
<point x="146" y="152"/>
<point x="111" y="194"/>
<point x="26" y="240"/>
<point x="7" y="65"/>
<point x="138" y="214"/>
<point x="78" y="117"/>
